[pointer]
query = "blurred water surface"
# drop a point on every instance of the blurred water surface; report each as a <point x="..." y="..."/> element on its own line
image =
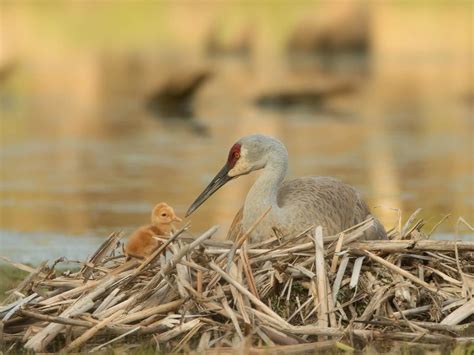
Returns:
<point x="82" y="156"/>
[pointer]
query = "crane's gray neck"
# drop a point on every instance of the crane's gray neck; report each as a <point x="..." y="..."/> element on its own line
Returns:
<point x="264" y="191"/>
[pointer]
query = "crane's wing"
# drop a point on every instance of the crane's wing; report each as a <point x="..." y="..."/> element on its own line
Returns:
<point x="322" y="200"/>
<point x="329" y="202"/>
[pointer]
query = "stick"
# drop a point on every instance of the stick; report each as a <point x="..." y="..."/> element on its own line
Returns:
<point x="199" y="281"/>
<point x="91" y="332"/>
<point x="170" y="334"/>
<point x="54" y="319"/>
<point x="335" y="258"/>
<point x="408" y="246"/>
<point x="245" y="292"/>
<point x="243" y="238"/>
<point x="321" y="278"/>
<point x="460" y="314"/>
<point x="248" y="271"/>
<point x="97" y="348"/>
<point x="99" y="255"/>
<point x="162" y="308"/>
<point x="402" y="272"/>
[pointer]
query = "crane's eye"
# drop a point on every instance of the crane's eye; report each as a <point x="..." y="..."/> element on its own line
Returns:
<point x="234" y="155"/>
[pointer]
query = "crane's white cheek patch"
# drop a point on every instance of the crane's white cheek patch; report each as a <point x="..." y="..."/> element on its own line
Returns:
<point x="239" y="169"/>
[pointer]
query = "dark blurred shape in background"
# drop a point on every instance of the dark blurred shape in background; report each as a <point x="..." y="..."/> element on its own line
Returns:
<point x="312" y="97"/>
<point x="238" y="44"/>
<point x="7" y="69"/>
<point x="108" y="107"/>
<point x="340" y="37"/>
<point x="173" y="99"/>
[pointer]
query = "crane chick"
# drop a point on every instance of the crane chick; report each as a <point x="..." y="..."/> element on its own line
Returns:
<point x="141" y="243"/>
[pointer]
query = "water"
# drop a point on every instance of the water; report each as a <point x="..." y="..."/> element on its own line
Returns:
<point x="82" y="156"/>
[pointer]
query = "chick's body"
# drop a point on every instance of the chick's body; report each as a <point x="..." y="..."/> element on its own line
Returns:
<point x="141" y="243"/>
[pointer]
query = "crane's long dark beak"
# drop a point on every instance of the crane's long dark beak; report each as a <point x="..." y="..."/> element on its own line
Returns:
<point x="219" y="180"/>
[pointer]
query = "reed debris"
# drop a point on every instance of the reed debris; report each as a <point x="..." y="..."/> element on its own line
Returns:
<point x="292" y="294"/>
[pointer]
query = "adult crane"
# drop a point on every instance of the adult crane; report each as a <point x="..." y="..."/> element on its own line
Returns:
<point x="295" y="204"/>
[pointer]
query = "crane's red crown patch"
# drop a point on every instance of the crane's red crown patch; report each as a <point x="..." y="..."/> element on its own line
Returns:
<point x="234" y="155"/>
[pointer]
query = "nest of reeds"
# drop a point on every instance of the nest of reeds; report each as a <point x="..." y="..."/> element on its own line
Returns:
<point x="300" y="293"/>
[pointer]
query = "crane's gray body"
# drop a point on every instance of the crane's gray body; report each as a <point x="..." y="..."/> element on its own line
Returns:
<point x="296" y="204"/>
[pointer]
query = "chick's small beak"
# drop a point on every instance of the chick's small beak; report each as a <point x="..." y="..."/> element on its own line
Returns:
<point x="219" y="180"/>
<point x="177" y="219"/>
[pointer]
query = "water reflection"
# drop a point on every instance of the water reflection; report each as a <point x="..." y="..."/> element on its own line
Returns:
<point x="82" y="155"/>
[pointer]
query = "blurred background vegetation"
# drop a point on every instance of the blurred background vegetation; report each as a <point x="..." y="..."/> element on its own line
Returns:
<point x="108" y="107"/>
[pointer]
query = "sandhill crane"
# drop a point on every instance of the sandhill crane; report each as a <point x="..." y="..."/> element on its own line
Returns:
<point x="296" y="204"/>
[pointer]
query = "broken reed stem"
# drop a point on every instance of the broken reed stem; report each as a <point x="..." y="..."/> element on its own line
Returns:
<point x="248" y="270"/>
<point x="97" y="348"/>
<point x="408" y="246"/>
<point x="252" y="227"/>
<point x="403" y="273"/>
<point x="338" y="248"/>
<point x="463" y="312"/>
<point x="409" y="222"/>
<point x="162" y="308"/>
<point x="91" y="332"/>
<point x="320" y="264"/>
<point x="430" y="233"/>
<point x="199" y="281"/>
<point x="244" y="237"/>
<point x="245" y="292"/>
<point x="54" y="319"/>
<point x="99" y="255"/>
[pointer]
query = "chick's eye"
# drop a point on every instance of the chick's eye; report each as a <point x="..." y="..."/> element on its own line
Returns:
<point x="163" y="215"/>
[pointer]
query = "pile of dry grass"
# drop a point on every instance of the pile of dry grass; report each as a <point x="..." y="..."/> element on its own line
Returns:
<point x="200" y="294"/>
